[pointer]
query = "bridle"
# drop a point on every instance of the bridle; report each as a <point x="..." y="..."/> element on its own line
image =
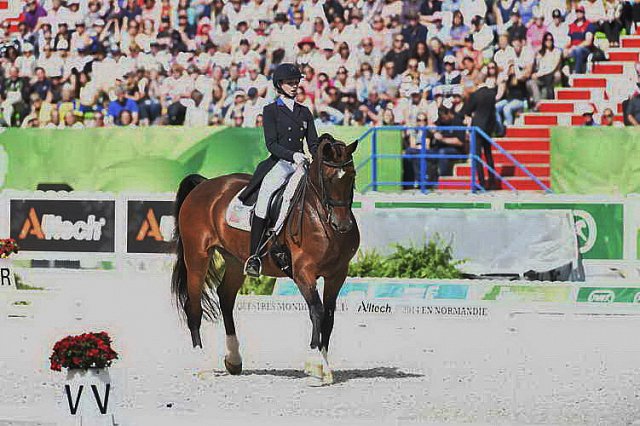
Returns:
<point x="327" y="202"/>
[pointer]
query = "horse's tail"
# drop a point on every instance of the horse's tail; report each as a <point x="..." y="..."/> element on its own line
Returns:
<point x="179" y="275"/>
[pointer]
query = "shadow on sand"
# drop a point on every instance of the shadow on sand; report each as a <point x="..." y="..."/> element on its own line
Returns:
<point x="340" y="376"/>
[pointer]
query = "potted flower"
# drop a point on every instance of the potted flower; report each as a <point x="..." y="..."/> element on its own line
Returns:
<point x="8" y="247"/>
<point x="88" y="384"/>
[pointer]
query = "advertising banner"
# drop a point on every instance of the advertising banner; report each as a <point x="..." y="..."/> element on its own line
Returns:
<point x="150" y="226"/>
<point x="609" y="295"/>
<point x="63" y="225"/>
<point x="599" y="226"/>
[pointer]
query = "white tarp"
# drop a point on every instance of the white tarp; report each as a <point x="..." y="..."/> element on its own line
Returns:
<point x="489" y="241"/>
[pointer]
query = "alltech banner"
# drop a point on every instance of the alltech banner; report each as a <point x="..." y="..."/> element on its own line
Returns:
<point x="150" y="226"/>
<point x="65" y="225"/>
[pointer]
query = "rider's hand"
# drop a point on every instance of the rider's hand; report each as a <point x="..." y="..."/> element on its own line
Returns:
<point x="299" y="158"/>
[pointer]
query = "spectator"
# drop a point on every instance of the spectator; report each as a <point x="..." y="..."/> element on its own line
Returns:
<point x="14" y="92"/>
<point x="437" y="29"/>
<point x="515" y="28"/>
<point x="71" y="121"/>
<point x="581" y="33"/>
<point x="197" y="113"/>
<point x="611" y="22"/>
<point x="547" y="71"/>
<point x="458" y="31"/>
<point x="536" y="31"/>
<point x="414" y="31"/>
<point x="505" y="52"/>
<point x="482" y="37"/>
<point x="399" y="54"/>
<point x="367" y="54"/>
<point x="526" y="9"/>
<point x="607" y="119"/>
<point x="33" y="12"/>
<point x="632" y="111"/>
<point x="445" y="142"/>
<point x="122" y="103"/>
<point x="468" y="51"/>
<point x="586" y="111"/>
<point x="513" y="99"/>
<point x="559" y="29"/>
<point x="502" y="10"/>
<point x="482" y="110"/>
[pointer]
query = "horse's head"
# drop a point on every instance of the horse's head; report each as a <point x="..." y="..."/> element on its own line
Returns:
<point x="336" y="174"/>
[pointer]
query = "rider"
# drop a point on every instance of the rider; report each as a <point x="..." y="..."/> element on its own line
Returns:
<point x="285" y="124"/>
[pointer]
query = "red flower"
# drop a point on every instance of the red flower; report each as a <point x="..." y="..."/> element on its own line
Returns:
<point x="83" y="351"/>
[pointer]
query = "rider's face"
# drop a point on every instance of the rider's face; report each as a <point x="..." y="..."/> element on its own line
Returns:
<point x="290" y="87"/>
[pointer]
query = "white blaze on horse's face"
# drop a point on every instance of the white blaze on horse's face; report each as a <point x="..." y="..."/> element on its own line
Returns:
<point x="341" y="173"/>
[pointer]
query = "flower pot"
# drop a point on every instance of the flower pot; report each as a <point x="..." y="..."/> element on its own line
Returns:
<point x="7" y="278"/>
<point x="87" y="395"/>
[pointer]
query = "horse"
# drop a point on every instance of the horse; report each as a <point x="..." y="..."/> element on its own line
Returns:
<point x="320" y="233"/>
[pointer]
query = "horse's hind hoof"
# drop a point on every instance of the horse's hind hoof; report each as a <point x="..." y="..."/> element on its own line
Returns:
<point x="233" y="369"/>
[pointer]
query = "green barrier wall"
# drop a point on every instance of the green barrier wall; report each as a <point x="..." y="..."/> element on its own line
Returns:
<point x="595" y="160"/>
<point x="155" y="159"/>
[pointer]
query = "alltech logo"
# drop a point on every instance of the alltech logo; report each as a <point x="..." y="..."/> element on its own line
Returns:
<point x="150" y="226"/>
<point x="63" y="225"/>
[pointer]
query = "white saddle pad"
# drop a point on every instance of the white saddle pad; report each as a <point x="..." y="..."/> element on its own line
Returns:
<point x="238" y="214"/>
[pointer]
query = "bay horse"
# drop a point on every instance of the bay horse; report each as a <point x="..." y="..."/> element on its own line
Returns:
<point x="320" y="232"/>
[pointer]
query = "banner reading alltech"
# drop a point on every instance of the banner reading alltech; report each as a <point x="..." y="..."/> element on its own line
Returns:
<point x="63" y="225"/>
<point x="150" y="226"/>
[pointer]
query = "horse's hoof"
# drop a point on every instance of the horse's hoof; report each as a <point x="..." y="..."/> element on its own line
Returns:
<point x="313" y="369"/>
<point x="233" y="369"/>
<point x="327" y="378"/>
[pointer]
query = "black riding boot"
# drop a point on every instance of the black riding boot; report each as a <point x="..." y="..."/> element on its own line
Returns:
<point x="253" y="267"/>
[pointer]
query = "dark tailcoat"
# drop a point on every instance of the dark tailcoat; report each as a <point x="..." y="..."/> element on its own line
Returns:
<point x="284" y="132"/>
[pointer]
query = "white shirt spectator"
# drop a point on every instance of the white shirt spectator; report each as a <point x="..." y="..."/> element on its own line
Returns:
<point x="560" y="34"/>
<point x="260" y="83"/>
<point x="52" y="66"/>
<point x="196" y="115"/>
<point x="251" y="111"/>
<point x="235" y="16"/>
<point x="548" y="6"/>
<point x="483" y="41"/>
<point x="55" y="17"/>
<point x="503" y="57"/>
<point x="221" y="59"/>
<point x="593" y="11"/>
<point x="259" y="9"/>
<point x="314" y="9"/>
<point x="471" y="8"/>
<point x="26" y="65"/>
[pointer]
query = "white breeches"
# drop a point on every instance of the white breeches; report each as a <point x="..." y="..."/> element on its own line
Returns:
<point x="276" y="177"/>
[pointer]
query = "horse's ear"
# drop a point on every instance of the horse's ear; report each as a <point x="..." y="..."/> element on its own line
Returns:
<point x="351" y="148"/>
<point x="327" y="151"/>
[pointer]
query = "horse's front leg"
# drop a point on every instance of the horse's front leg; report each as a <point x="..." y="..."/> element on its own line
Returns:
<point x="332" y="286"/>
<point x="305" y="276"/>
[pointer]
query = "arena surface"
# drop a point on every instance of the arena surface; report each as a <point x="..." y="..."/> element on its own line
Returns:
<point x="502" y="369"/>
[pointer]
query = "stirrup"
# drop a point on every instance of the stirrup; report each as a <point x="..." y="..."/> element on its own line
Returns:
<point x="249" y="269"/>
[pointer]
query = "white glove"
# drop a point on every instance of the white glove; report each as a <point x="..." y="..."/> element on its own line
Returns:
<point x="299" y="158"/>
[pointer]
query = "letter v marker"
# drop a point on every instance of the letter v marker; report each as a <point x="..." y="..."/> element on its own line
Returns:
<point x="103" y="408"/>
<point x="72" y="408"/>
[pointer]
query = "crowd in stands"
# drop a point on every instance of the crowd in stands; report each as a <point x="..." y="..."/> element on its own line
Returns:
<point x="93" y="63"/>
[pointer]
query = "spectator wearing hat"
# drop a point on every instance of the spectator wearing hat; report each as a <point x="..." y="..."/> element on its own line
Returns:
<point x="547" y="70"/>
<point x="612" y="23"/>
<point x="437" y="29"/>
<point x="32" y="13"/>
<point x="80" y="39"/>
<point x="451" y="75"/>
<point x="306" y="51"/>
<point x="26" y="63"/>
<point x="413" y="31"/>
<point x="581" y="33"/>
<point x="121" y="103"/>
<point x="536" y="31"/>
<point x="559" y="29"/>
<point x="515" y="28"/>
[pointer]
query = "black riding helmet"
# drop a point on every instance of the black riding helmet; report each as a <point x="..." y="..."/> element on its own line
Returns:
<point x="285" y="72"/>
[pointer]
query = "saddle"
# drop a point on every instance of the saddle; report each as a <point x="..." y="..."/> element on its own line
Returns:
<point x="238" y="215"/>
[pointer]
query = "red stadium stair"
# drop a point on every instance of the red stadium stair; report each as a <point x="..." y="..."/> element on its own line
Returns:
<point x="529" y="142"/>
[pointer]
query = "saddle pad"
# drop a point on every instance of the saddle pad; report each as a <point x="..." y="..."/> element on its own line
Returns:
<point x="238" y="214"/>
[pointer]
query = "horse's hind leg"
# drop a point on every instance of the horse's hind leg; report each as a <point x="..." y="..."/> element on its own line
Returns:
<point x="197" y="263"/>
<point x="227" y="292"/>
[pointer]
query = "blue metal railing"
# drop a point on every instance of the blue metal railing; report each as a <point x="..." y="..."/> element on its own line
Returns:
<point x="475" y="160"/>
